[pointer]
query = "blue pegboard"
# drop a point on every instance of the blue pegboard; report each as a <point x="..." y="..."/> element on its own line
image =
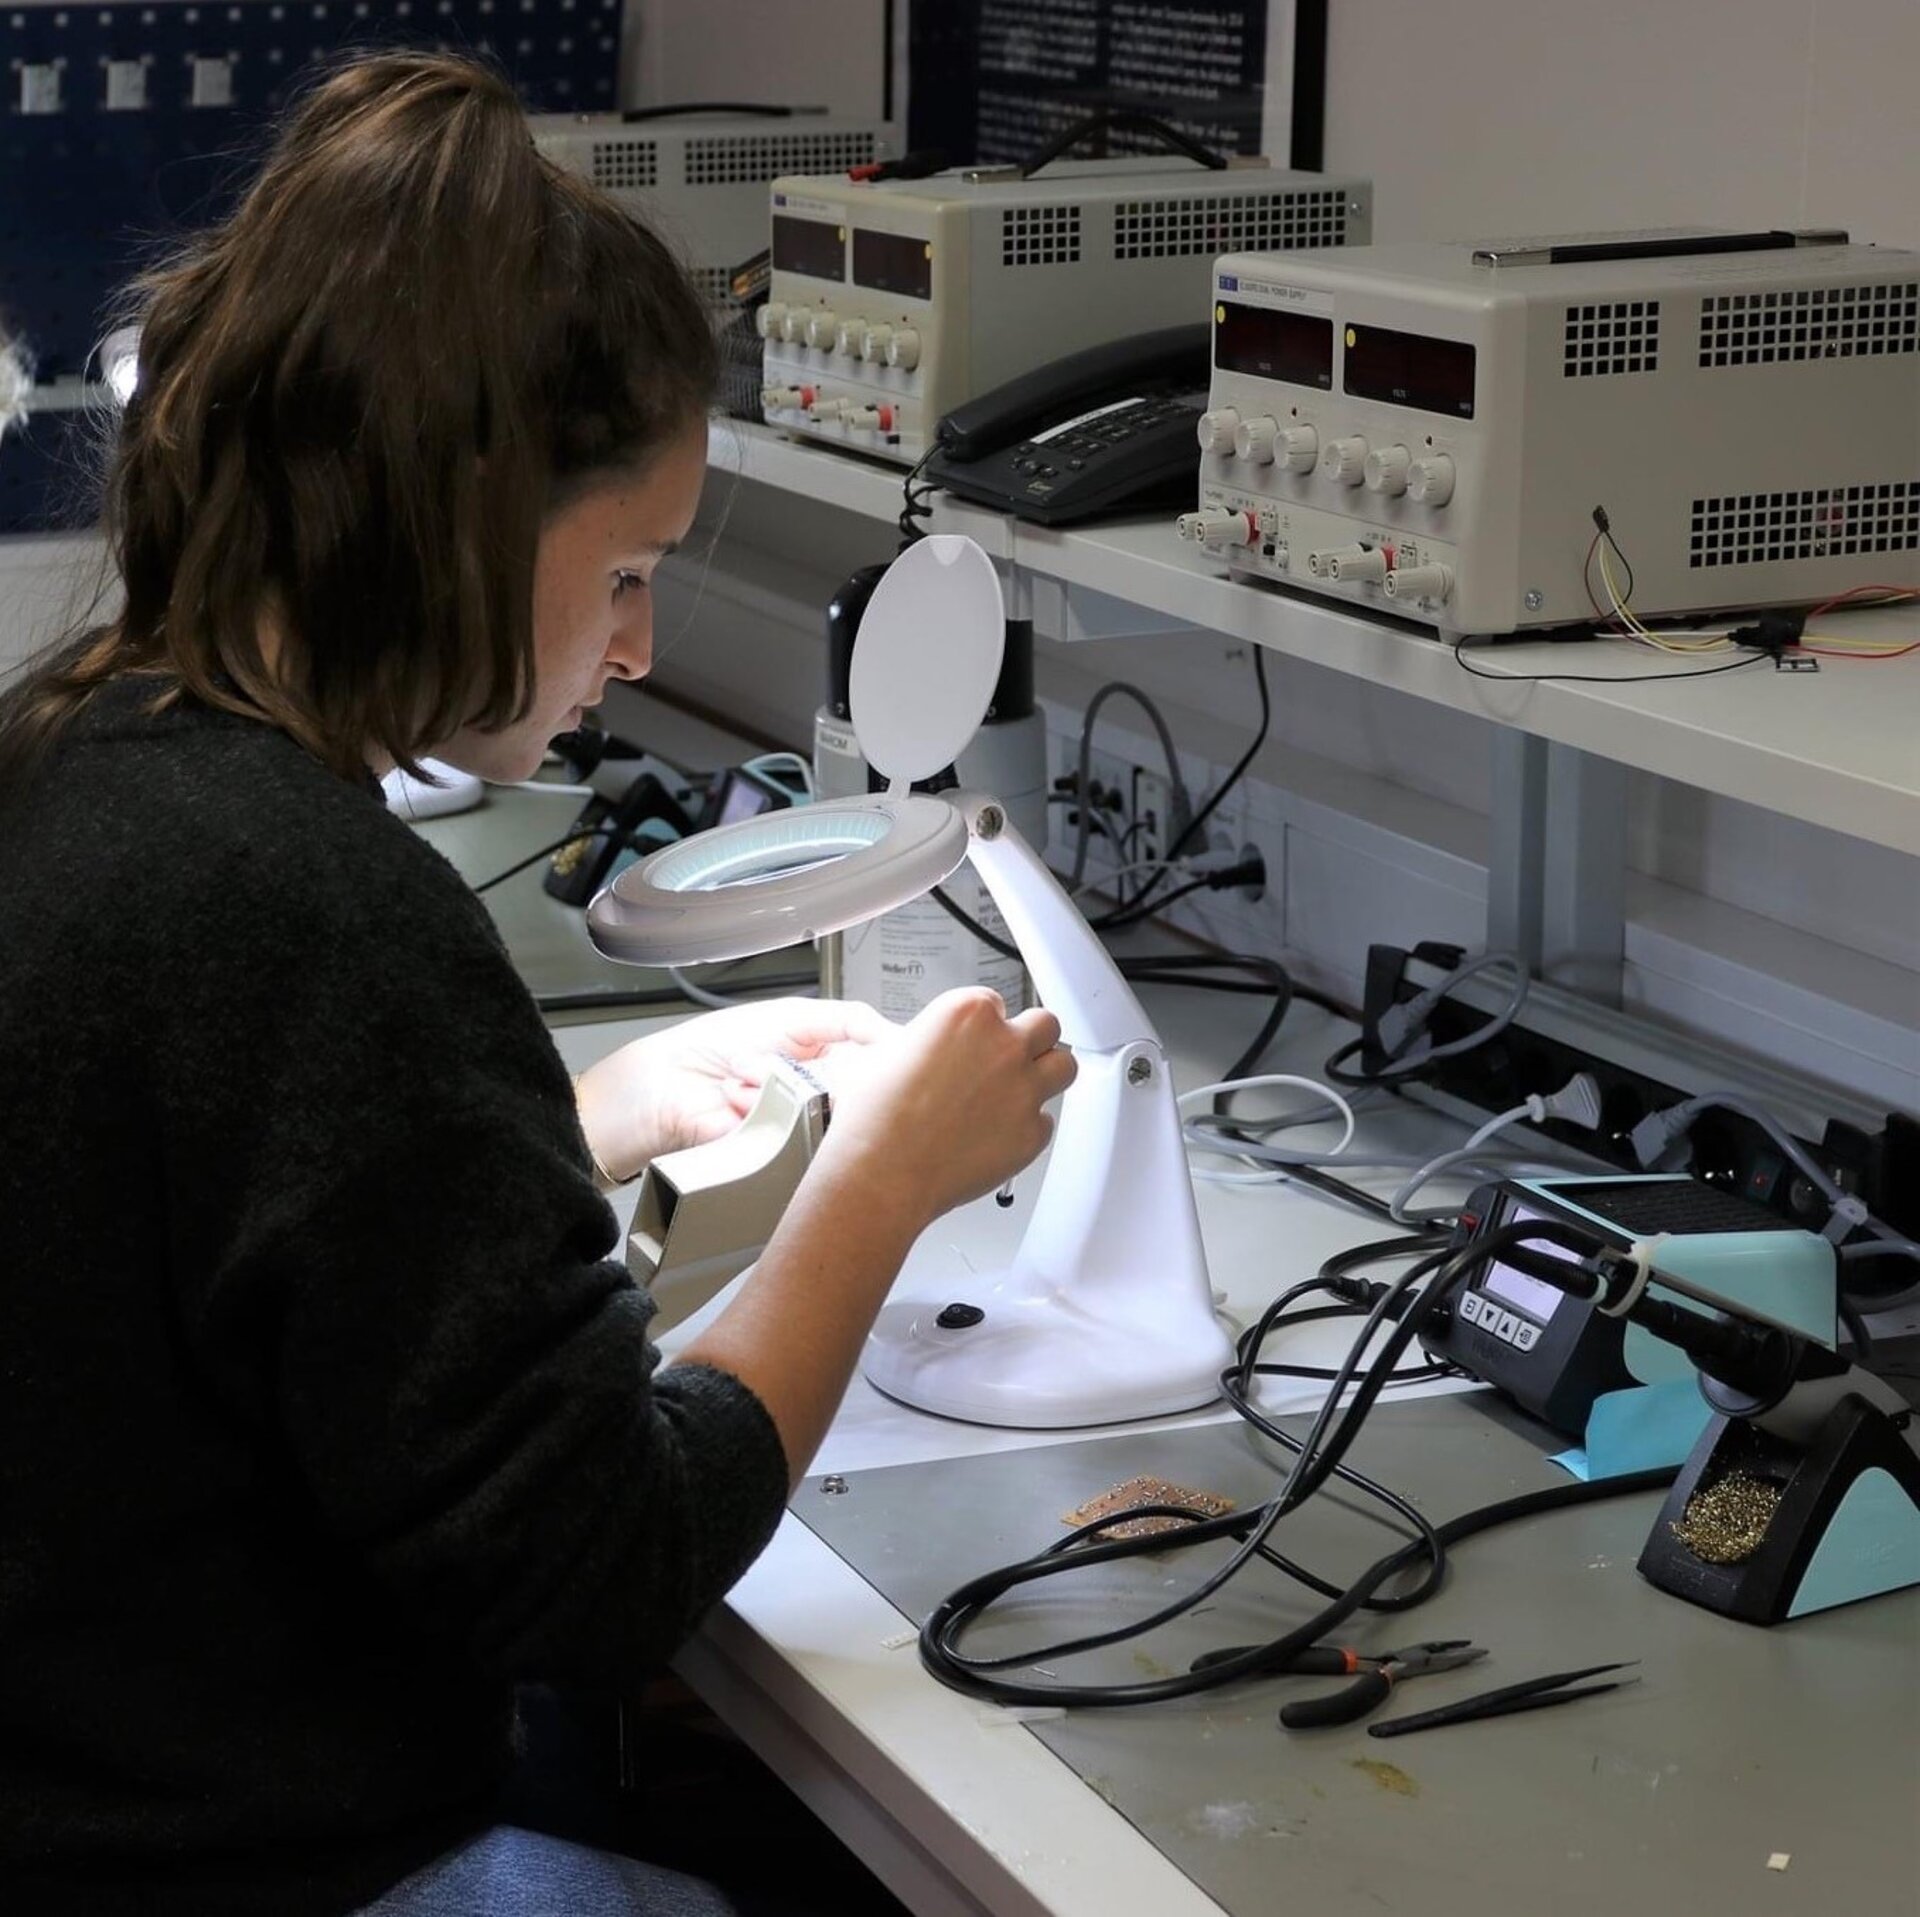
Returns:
<point x="89" y="191"/>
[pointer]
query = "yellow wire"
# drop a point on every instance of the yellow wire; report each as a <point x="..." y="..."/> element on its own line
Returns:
<point x="1642" y="634"/>
<point x="1639" y="633"/>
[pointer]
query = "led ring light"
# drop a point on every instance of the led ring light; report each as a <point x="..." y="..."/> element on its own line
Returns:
<point x="780" y="879"/>
<point x="809" y="870"/>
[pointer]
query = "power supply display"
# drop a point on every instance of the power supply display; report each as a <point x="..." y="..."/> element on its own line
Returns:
<point x="1432" y="428"/>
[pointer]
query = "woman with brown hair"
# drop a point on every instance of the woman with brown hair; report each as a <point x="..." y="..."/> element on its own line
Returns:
<point x="324" y="1415"/>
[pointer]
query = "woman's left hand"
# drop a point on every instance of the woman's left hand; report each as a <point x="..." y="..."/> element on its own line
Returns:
<point x="698" y="1079"/>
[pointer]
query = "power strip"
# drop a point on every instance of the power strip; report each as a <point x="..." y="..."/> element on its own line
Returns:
<point x="1642" y="1068"/>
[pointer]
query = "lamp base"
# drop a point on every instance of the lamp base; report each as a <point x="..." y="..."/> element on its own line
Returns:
<point x="1012" y="1348"/>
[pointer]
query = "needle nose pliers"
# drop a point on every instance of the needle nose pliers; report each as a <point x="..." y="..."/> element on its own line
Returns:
<point x="1374" y="1676"/>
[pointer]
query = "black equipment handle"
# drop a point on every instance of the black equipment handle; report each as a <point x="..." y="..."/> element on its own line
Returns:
<point x="1650" y="246"/>
<point x="1367" y="1691"/>
<point x="761" y="109"/>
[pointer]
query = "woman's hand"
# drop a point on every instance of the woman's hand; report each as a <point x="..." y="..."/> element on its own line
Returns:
<point x="698" y="1079"/>
<point x="947" y="1107"/>
<point x="940" y="1111"/>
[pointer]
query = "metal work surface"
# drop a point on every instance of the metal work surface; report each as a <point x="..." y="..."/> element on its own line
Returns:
<point x="1737" y="1749"/>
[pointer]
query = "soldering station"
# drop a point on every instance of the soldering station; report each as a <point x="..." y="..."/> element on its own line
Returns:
<point x="1679" y="1309"/>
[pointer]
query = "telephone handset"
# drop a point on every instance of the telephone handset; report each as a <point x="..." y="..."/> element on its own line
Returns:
<point x="1110" y="429"/>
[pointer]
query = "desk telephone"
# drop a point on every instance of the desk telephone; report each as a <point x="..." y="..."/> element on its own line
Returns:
<point x="1111" y="429"/>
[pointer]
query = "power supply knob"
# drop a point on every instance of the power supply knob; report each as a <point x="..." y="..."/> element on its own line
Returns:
<point x="1386" y="470"/>
<point x="849" y="336"/>
<point x="1344" y="460"/>
<point x="822" y="329"/>
<point x="768" y="321"/>
<point x="1216" y="430"/>
<point x="1254" y="439"/>
<point x="793" y="325"/>
<point x="873" y="344"/>
<point x="1430" y="480"/>
<point x="1300" y="449"/>
<point x="903" y="350"/>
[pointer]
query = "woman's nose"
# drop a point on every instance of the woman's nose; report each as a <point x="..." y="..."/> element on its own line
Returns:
<point x="631" y="651"/>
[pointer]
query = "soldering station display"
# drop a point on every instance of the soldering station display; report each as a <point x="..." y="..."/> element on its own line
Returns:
<point x="1554" y="1353"/>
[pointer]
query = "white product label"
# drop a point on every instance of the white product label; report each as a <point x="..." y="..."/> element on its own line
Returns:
<point x="804" y="204"/>
<point x="1312" y="299"/>
<point x="901" y="962"/>
<point x="1073" y="425"/>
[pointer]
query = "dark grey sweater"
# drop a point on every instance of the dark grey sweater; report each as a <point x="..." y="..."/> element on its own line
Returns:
<point x="323" y="1415"/>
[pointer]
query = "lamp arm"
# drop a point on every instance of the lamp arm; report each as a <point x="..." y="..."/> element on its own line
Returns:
<point x="1073" y="972"/>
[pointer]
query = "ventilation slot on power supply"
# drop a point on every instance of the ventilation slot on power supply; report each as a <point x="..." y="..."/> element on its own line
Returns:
<point x="1754" y="529"/>
<point x="621" y="164"/>
<point x="1040" y="236"/>
<point x="725" y="161"/>
<point x="1621" y="338"/>
<point x="1834" y="322"/>
<point x="1228" y="223"/>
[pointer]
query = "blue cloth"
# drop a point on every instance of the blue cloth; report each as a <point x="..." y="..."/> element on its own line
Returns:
<point x="518" y="1873"/>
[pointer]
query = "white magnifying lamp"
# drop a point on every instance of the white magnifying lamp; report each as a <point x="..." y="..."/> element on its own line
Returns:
<point x="1106" y="1311"/>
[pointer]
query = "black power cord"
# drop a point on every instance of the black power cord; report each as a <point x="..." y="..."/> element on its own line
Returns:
<point x="1596" y="678"/>
<point x="1356" y="1295"/>
<point x="1123" y="119"/>
<point x="916" y="500"/>
<point x="1239" y="772"/>
<point x="1320" y="1454"/>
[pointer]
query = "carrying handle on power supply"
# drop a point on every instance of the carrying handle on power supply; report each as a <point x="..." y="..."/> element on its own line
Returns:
<point x="1656" y="246"/>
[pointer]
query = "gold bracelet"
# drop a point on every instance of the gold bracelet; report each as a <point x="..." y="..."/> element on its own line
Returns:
<point x="603" y="1180"/>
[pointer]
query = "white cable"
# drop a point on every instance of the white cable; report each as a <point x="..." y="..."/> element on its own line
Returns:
<point x="699" y="994"/>
<point x="543" y="785"/>
<point x="1225" y="1149"/>
<point x="1654" y="1133"/>
<point x="718" y="1001"/>
<point x="1402" y="1030"/>
<point x="1533" y="1108"/>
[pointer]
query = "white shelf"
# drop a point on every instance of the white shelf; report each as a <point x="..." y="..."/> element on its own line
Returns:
<point x="1839" y="748"/>
<point x="857" y="485"/>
